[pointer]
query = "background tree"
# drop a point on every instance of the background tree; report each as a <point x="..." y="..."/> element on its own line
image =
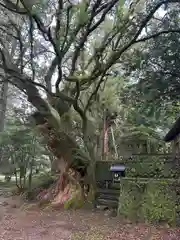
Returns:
<point x="22" y="155"/>
<point x="155" y="65"/>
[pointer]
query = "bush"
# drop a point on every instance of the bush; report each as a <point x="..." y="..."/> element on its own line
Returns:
<point x="130" y="200"/>
<point x="152" y="167"/>
<point x="159" y="203"/>
<point x="152" y="202"/>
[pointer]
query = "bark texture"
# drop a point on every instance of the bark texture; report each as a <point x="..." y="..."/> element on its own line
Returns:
<point x="70" y="164"/>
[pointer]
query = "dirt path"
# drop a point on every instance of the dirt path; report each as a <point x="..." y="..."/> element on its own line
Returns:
<point x="18" y="223"/>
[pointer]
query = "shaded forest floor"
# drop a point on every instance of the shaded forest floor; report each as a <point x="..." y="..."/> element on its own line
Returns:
<point x="19" y="221"/>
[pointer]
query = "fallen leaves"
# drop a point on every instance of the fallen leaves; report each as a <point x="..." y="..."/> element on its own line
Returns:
<point x="34" y="223"/>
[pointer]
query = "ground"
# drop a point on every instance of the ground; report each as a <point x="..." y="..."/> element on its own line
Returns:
<point x="18" y="221"/>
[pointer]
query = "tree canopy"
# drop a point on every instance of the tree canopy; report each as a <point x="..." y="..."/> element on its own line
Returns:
<point x="83" y="42"/>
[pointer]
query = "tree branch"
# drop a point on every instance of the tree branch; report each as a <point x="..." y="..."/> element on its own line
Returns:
<point x="10" y="6"/>
<point x="58" y="19"/>
<point x="93" y="13"/>
<point x="94" y="94"/>
<point x="8" y="33"/>
<point x="155" y="35"/>
<point x="47" y="34"/>
<point x="50" y="73"/>
<point x="117" y="54"/>
<point x="109" y="6"/>
<point x="89" y="29"/>
<point x="25" y="81"/>
<point x="36" y="55"/>
<point x="67" y="27"/>
<point x="31" y="39"/>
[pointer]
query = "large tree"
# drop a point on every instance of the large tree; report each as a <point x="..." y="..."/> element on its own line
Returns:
<point x="66" y="50"/>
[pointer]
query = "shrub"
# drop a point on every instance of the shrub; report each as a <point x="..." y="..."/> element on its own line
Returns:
<point x="159" y="203"/>
<point x="130" y="200"/>
<point x="153" y="202"/>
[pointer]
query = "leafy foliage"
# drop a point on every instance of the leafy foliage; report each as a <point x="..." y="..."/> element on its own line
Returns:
<point x="153" y="202"/>
<point x="154" y="75"/>
<point x="149" y="190"/>
<point x="159" y="203"/>
<point x="152" y="167"/>
<point x="22" y="156"/>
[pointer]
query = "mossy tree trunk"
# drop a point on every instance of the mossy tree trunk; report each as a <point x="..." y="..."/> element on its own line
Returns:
<point x="73" y="165"/>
